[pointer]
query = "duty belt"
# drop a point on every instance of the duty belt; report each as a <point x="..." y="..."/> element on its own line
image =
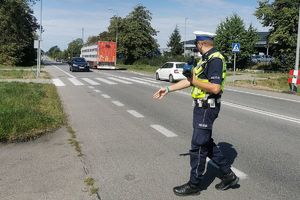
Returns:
<point x="206" y="103"/>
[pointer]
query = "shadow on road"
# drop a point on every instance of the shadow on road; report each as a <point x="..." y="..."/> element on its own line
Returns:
<point x="212" y="172"/>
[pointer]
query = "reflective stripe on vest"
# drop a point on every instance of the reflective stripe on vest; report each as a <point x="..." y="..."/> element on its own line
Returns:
<point x="199" y="69"/>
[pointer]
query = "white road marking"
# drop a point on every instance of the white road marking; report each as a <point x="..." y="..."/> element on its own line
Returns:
<point x="106" y="81"/>
<point x="151" y="79"/>
<point x="283" y="117"/>
<point x="117" y="103"/>
<point x="75" y="81"/>
<point x="147" y="80"/>
<point x="263" y="95"/>
<point x="70" y="75"/>
<point x="118" y="80"/>
<point x="237" y="172"/>
<point x="106" y="96"/>
<point x="98" y="91"/>
<point x="90" y="81"/>
<point x="57" y="82"/>
<point x="133" y="80"/>
<point x="270" y="114"/>
<point x="163" y="130"/>
<point x="135" y="113"/>
<point x="91" y="87"/>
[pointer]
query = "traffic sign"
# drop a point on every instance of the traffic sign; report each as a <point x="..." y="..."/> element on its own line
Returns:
<point x="236" y="47"/>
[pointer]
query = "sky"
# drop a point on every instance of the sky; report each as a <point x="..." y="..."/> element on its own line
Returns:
<point x="63" y="20"/>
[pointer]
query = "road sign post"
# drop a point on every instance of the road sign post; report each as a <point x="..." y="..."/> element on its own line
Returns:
<point x="235" y="49"/>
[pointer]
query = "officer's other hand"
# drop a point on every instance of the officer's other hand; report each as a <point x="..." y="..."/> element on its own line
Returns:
<point x="160" y="93"/>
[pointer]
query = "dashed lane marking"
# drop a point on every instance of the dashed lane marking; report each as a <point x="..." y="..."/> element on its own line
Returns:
<point x="163" y="130"/>
<point x="135" y="113"/>
<point x="57" y="82"/>
<point x="98" y="91"/>
<point x="117" y="103"/>
<point x="106" y="96"/>
<point x="91" y="87"/>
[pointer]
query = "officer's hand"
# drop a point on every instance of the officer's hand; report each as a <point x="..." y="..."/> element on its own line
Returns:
<point x="160" y="93"/>
<point x="192" y="78"/>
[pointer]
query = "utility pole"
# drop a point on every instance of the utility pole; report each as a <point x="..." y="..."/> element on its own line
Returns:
<point x="38" y="71"/>
<point x="184" y="44"/>
<point x="82" y="35"/>
<point x="116" y="33"/>
<point x="294" y="89"/>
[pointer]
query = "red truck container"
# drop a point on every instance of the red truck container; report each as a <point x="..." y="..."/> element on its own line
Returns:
<point x="101" y="55"/>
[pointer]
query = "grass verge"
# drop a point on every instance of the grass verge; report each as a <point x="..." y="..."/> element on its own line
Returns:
<point x="21" y="74"/>
<point x="28" y="110"/>
<point x="140" y="68"/>
<point x="266" y="81"/>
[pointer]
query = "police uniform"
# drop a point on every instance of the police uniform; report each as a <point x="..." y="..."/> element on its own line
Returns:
<point x="211" y="68"/>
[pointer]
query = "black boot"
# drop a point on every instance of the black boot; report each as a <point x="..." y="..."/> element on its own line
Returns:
<point x="228" y="181"/>
<point x="187" y="189"/>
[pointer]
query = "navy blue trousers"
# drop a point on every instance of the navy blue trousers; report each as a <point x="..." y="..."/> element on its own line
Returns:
<point x="203" y="146"/>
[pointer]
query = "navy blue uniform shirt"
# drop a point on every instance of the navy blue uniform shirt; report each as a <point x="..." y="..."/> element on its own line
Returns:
<point x="213" y="71"/>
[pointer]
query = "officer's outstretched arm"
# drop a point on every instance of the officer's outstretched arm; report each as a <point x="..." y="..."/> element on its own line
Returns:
<point x="165" y="90"/>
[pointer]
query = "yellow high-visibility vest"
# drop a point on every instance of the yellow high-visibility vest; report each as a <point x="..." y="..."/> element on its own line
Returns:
<point x="197" y="93"/>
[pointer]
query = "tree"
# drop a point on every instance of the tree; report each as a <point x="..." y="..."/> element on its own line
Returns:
<point x="54" y="52"/>
<point x="106" y="36"/>
<point x="74" y="48"/>
<point x="18" y="26"/>
<point x="136" y="36"/>
<point x="233" y="30"/>
<point x="174" y="43"/>
<point x="282" y="17"/>
<point x="92" y="40"/>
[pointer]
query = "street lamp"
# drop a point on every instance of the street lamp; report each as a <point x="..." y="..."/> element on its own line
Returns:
<point x="113" y="10"/>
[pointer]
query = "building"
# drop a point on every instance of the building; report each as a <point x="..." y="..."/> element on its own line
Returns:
<point x="261" y="47"/>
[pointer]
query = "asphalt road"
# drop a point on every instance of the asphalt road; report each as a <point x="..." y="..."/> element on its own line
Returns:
<point x="132" y="142"/>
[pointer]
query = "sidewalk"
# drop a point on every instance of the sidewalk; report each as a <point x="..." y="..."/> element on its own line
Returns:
<point x="47" y="168"/>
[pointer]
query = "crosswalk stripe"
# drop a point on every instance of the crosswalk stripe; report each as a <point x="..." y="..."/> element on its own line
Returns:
<point x="133" y="80"/>
<point x="90" y="81"/>
<point x="75" y="81"/>
<point x="142" y="79"/>
<point x="106" y="81"/>
<point x="118" y="80"/>
<point x="151" y="79"/>
<point x="57" y="82"/>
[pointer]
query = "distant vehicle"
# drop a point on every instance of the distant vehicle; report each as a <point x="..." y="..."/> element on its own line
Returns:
<point x="79" y="64"/>
<point x="262" y="59"/>
<point x="58" y="60"/>
<point x="171" y="71"/>
<point x="101" y="55"/>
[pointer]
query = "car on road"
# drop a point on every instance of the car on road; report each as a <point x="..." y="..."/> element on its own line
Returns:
<point x="262" y="59"/>
<point x="171" y="71"/>
<point x="79" y="64"/>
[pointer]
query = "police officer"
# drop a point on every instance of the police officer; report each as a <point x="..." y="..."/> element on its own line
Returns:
<point x="207" y="82"/>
